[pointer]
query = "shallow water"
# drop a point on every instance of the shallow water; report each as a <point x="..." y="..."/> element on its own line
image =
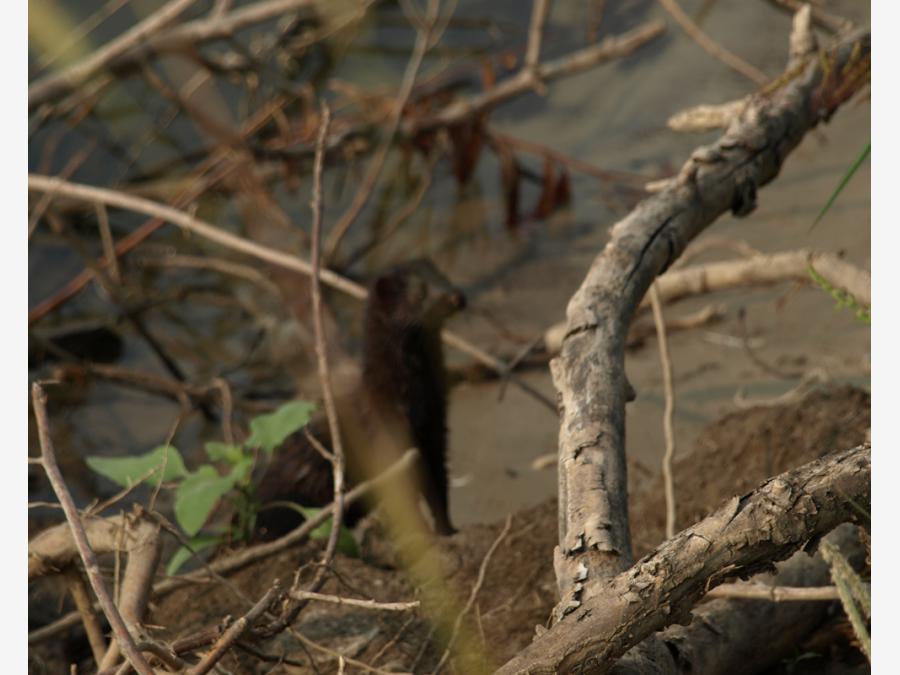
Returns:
<point x="612" y="116"/>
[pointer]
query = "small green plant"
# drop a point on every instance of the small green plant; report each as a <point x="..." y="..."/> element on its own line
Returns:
<point x="198" y="492"/>
<point x="843" y="298"/>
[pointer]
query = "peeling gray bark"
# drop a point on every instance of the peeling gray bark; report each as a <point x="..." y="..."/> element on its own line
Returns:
<point x="589" y="374"/>
<point x="745" y="536"/>
<point x="725" y="634"/>
<point x="607" y="604"/>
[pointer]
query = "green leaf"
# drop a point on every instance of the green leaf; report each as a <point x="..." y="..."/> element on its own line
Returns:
<point x="127" y="470"/>
<point x="198" y="494"/>
<point x="269" y="431"/>
<point x="241" y="469"/>
<point x="224" y="452"/>
<point x="183" y="554"/>
<point x="846" y="179"/>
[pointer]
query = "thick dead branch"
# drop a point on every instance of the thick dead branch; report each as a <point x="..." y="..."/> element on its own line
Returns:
<point x="595" y="541"/>
<point x="743" y="537"/>
<point x="725" y="634"/>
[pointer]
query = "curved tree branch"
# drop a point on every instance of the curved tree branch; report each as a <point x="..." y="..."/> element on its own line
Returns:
<point x="604" y="609"/>
<point x="589" y="373"/>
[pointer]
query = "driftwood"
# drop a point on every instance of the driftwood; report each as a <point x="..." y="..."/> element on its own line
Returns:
<point x="596" y="624"/>
<point x="743" y="537"/>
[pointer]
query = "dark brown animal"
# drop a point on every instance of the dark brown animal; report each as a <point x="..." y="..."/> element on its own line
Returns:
<point x="400" y="403"/>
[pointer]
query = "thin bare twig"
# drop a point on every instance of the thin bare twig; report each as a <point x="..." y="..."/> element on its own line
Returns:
<point x="831" y="22"/>
<point x="668" y="427"/>
<point x="214" y="264"/>
<point x="92" y="627"/>
<point x="775" y="593"/>
<point x="337" y="446"/>
<point x="466" y="108"/>
<point x="79" y="33"/>
<point x="234" y="631"/>
<point x="712" y="47"/>
<point x="473" y="595"/>
<point x="250" y="555"/>
<point x="280" y="258"/>
<point x="109" y="247"/>
<point x="212" y="171"/>
<point x="539" y="11"/>
<point x="423" y="41"/>
<point x="632" y="180"/>
<point x="123" y="636"/>
<point x="338" y="657"/>
<point x="355" y="602"/>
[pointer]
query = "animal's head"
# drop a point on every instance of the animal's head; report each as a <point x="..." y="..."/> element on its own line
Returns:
<point x="414" y="293"/>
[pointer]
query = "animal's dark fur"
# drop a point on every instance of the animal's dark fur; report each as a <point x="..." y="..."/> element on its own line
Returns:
<point x="401" y="400"/>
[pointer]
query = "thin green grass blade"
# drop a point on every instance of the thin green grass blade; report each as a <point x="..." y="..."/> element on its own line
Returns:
<point x="846" y="179"/>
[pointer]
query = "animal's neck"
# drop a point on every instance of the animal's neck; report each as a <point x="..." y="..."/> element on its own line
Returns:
<point x="403" y="371"/>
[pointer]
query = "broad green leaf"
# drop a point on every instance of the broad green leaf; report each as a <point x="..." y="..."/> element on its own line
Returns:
<point x="183" y="554"/>
<point x="241" y="469"/>
<point x="269" y="431"/>
<point x="197" y="495"/>
<point x="846" y="179"/>
<point x="224" y="452"/>
<point x="127" y="470"/>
